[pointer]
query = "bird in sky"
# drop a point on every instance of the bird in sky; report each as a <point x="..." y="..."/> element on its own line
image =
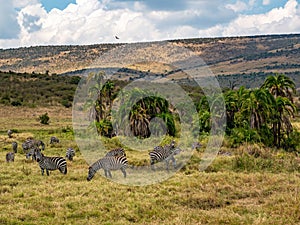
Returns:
<point x="117" y="37"/>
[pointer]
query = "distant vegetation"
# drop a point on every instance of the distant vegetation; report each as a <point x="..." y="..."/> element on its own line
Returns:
<point x="23" y="89"/>
<point x="258" y="115"/>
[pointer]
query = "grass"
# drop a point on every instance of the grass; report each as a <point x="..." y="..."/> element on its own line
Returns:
<point x="253" y="186"/>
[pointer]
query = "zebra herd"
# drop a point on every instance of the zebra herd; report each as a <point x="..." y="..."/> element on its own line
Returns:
<point x="115" y="159"/>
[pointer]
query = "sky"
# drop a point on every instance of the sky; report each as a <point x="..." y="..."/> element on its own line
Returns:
<point x="77" y="22"/>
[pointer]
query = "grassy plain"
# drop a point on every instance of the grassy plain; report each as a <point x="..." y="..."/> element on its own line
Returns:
<point x="253" y="186"/>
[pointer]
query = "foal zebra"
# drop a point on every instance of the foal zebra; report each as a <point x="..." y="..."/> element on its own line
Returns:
<point x="116" y="152"/>
<point x="165" y="153"/>
<point x="70" y="153"/>
<point x="14" y="146"/>
<point x="108" y="164"/>
<point x="10" y="157"/>
<point x="50" y="163"/>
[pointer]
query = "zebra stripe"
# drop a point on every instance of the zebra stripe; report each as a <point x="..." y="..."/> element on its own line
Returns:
<point x="54" y="140"/>
<point x="165" y="153"/>
<point x="70" y="153"/>
<point x="10" y="157"/>
<point x="50" y="163"/>
<point x="116" y="152"/>
<point x="14" y="146"/>
<point x="108" y="164"/>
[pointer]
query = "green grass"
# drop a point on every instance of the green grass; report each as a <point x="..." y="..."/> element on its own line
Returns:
<point x="254" y="186"/>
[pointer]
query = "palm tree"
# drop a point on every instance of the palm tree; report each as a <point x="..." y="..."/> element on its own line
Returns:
<point x="257" y="106"/>
<point x="280" y="85"/>
<point x="284" y="109"/>
<point x="282" y="88"/>
<point x="100" y="102"/>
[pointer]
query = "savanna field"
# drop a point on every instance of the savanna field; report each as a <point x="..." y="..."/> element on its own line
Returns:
<point x="254" y="185"/>
<point x="255" y="178"/>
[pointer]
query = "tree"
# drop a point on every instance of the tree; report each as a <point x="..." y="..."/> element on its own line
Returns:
<point x="101" y="95"/>
<point x="282" y="88"/>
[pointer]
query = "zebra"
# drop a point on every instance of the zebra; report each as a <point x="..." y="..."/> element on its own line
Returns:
<point x="70" y="153"/>
<point x="116" y="152"/>
<point x="50" y="163"/>
<point x="165" y="153"/>
<point x="14" y="146"/>
<point x="31" y="153"/>
<point x="54" y="140"/>
<point x="28" y="144"/>
<point x="9" y="133"/>
<point x="10" y="157"/>
<point x="160" y="148"/>
<point x="108" y="164"/>
<point x="31" y="143"/>
<point x="40" y="144"/>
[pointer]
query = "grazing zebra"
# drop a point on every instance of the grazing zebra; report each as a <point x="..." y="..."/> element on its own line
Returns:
<point x="116" y="152"/>
<point x="108" y="164"/>
<point x="54" y="140"/>
<point x="28" y="144"/>
<point x="50" y="163"/>
<point x="165" y="153"/>
<point x="14" y="146"/>
<point x="10" y="157"/>
<point x="9" y="133"/>
<point x="70" y="153"/>
<point x="31" y="143"/>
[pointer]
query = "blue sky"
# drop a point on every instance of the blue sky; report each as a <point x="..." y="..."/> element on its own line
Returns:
<point x="59" y="4"/>
<point x="53" y="22"/>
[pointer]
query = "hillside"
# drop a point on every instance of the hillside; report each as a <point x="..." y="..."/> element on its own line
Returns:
<point x="252" y="57"/>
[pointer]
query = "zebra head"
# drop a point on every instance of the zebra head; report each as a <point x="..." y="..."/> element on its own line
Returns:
<point x="37" y="155"/>
<point x="91" y="173"/>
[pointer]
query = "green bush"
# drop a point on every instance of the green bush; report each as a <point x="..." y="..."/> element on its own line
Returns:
<point x="44" y="119"/>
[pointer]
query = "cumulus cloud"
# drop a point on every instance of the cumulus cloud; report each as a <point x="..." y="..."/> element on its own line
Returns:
<point x="276" y="21"/>
<point x="8" y="23"/>
<point x="238" y="6"/>
<point x="95" y="21"/>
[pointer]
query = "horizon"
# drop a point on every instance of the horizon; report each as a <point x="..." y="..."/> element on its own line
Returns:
<point x="179" y="39"/>
<point x="86" y="22"/>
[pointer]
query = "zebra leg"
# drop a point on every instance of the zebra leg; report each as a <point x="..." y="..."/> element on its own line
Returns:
<point x="47" y="171"/>
<point x="123" y="171"/>
<point x="105" y="172"/>
<point x="42" y="171"/>
<point x="152" y="165"/>
<point x="174" y="162"/>
<point x="109" y="173"/>
<point x="167" y="164"/>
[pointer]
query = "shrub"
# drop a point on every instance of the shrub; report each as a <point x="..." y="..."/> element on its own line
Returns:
<point x="44" y="119"/>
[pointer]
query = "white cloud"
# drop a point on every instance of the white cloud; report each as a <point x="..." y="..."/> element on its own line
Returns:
<point x="278" y="20"/>
<point x="9" y="27"/>
<point x="238" y="6"/>
<point x="93" y="21"/>
<point x="266" y="2"/>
